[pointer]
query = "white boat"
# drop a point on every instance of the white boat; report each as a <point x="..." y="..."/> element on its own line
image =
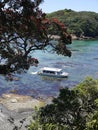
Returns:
<point x="52" y="72"/>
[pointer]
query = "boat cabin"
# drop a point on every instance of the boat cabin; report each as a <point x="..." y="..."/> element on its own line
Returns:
<point x="55" y="72"/>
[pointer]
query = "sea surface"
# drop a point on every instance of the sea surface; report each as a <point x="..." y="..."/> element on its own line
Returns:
<point x="82" y="63"/>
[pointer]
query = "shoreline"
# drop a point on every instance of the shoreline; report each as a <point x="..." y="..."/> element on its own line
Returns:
<point x="74" y="37"/>
<point x="16" y="111"/>
<point x="17" y="102"/>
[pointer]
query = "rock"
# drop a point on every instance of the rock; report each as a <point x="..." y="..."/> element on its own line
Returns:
<point x="14" y="101"/>
<point x="16" y="111"/>
<point x="20" y="102"/>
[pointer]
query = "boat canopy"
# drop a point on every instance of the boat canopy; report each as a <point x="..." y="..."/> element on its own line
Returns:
<point x="51" y="69"/>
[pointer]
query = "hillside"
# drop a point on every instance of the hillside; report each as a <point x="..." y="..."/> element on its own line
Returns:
<point x="82" y="24"/>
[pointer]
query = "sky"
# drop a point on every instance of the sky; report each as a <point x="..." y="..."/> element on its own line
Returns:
<point x="49" y="6"/>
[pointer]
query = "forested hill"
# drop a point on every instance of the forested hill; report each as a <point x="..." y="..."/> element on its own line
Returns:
<point x="82" y="24"/>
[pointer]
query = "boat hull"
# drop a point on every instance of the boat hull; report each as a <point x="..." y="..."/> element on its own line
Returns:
<point x="56" y="76"/>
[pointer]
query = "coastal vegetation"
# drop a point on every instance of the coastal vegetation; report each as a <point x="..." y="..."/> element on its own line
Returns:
<point x="24" y="28"/>
<point x="82" y="24"/>
<point x="73" y="109"/>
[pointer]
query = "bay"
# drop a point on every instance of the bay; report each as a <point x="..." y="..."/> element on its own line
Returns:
<point x="82" y="63"/>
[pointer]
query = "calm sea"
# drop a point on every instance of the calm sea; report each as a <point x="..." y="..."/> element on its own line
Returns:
<point x="82" y="63"/>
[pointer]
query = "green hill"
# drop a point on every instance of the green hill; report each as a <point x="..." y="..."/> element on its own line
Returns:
<point x="82" y="24"/>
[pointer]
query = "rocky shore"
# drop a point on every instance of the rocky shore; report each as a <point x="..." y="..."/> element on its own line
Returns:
<point x="16" y="111"/>
<point x="74" y="37"/>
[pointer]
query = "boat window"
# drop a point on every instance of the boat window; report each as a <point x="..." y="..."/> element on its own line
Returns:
<point x="58" y="73"/>
<point x="50" y="72"/>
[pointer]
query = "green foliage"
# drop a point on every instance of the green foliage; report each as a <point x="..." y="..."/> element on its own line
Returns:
<point x="73" y="109"/>
<point x="88" y="91"/>
<point x="88" y="86"/>
<point x="92" y="124"/>
<point x="65" y="110"/>
<point x="36" y="125"/>
<point x="78" y="23"/>
<point x="89" y="94"/>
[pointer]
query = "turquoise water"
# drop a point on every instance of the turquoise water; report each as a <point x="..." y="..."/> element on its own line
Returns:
<point x="82" y="63"/>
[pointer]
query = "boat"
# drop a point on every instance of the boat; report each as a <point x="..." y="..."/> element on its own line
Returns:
<point x="52" y="72"/>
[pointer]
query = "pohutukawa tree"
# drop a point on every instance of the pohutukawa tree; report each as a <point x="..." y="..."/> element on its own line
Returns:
<point x="25" y="28"/>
